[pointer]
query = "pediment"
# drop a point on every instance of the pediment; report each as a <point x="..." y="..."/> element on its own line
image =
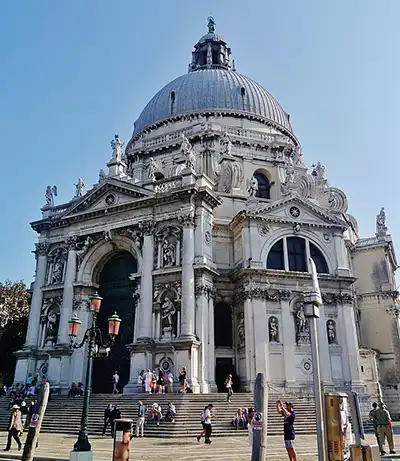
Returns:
<point x="109" y="193"/>
<point x="297" y="210"/>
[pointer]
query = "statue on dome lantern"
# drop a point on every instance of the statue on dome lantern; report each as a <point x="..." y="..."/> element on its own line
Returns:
<point x="211" y="25"/>
<point x="49" y="195"/>
<point x="381" y="228"/>
<point x="117" y="145"/>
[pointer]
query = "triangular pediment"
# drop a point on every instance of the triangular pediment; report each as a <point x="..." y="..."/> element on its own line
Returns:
<point x="107" y="194"/>
<point x="297" y="210"/>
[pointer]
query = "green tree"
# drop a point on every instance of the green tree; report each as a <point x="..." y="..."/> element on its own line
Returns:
<point x="14" y="311"/>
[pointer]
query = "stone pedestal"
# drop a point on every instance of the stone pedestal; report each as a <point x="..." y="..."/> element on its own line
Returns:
<point x="81" y="456"/>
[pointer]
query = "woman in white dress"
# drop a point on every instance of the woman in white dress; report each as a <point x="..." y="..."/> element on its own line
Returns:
<point x="147" y="382"/>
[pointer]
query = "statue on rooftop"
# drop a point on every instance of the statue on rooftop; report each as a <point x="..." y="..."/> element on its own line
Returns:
<point x="116" y="145"/>
<point x="211" y="25"/>
<point x="49" y="195"/>
<point x="102" y="176"/>
<point x="381" y="228"/>
<point x="79" y="188"/>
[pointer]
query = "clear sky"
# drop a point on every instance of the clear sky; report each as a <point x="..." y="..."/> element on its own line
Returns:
<point x="73" y="73"/>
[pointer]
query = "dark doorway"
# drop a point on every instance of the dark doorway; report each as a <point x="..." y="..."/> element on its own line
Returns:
<point x="116" y="290"/>
<point x="224" y="367"/>
<point x="223" y="336"/>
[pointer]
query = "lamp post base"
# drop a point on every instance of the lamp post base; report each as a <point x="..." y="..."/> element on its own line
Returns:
<point x="82" y="444"/>
<point x="81" y="456"/>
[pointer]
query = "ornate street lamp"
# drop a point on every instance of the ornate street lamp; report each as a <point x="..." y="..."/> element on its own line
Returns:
<point x="93" y="337"/>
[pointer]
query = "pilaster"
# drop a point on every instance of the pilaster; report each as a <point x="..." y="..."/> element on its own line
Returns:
<point x="325" y="359"/>
<point x="288" y="336"/>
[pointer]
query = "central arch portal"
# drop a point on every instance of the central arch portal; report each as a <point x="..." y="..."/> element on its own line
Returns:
<point x="116" y="290"/>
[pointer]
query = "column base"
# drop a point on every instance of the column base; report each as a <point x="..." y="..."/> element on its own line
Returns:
<point x="188" y="337"/>
<point x="342" y="272"/>
<point x="144" y="339"/>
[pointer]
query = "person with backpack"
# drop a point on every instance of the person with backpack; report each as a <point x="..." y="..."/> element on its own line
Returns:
<point x="140" y="419"/>
<point x="206" y="418"/>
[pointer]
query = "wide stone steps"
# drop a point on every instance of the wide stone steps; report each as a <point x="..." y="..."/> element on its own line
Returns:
<point x="63" y="414"/>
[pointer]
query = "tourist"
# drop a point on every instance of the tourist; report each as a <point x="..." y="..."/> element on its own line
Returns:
<point x="384" y="423"/>
<point x="29" y="379"/>
<point x="140" y="382"/>
<point x="170" y="382"/>
<point x="206" y="423"/>
<point x="171" y="413"/>
<point x="31" y="411"/>
<point x="153" y="382"/>
<point x="372" y="418"/>
<point x="24" y="413"/>
<point x="147" y="381"/>
<point x="14" y="428"/>
<point x="228" y="385"/>
<point x="239" y="419"/>
<point x="140" y="419"/>
<point x="115" y="414"/>
<point x="288" y="427"/>
<point x="107" y="418"/>
<point x="182" y="379"/>
<point x="161" y="381"/>
<point x="156" y="413"/>
<point x="250" y="426"/>
<point x="115" y="380"/>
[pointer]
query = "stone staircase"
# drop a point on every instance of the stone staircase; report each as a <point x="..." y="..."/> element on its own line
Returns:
<point x="63" y="414"/>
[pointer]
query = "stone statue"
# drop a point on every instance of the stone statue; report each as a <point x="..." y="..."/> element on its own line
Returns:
<point x="152" y="169"/>
<point x="117" y="145"/>
<point x="51" y="328"/>
<point x="187" y="151"/>
<point x="381" y="228"/>
<point x="102" y="176"/>
<point x="88" y="242"/>
<point x="273" y="330"/>
<point x="167" y="312"/>
<point x="318" y="171"/>
<point x="51" y="192"/>
<point x="331" y="331"/>
<point x="252" y="185"/>
<point x="57" y="272"/>
<point x="79" y="188"/>
<point x="107" y="235"/>
<point x="226" y="145"/>
<point x="301" y="322"/>
<point x="211" y="25"/>
<point x="240" y="329"/>
<point x="169" y="254"/>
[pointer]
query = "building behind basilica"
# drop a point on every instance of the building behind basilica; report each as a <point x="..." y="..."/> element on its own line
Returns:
<point x="199" y="236"/>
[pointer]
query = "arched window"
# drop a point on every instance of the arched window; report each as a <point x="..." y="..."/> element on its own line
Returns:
<point x="275" y="257"/>
<point x="320" y="263"/>
<point x="263" y="185"/>
<point x="291" y="254"/>
<point x="297" y="254"/>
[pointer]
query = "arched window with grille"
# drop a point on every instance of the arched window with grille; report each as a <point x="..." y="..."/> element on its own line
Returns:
<point x="263" y="185"/>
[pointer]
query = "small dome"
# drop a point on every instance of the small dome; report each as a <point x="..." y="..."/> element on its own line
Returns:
<point x="219" y="90"/>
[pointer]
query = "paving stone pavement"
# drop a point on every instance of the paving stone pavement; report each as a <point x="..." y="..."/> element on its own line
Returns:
<point x="224" y="448"/>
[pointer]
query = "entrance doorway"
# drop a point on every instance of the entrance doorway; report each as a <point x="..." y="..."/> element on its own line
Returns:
<point x="224" y="367"/>
<point x="116" y="290"/>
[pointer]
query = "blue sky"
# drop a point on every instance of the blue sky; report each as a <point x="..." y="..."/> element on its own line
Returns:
<point x="74" y="73"/>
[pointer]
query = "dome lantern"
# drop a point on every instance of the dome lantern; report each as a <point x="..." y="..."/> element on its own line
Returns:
<point x="211" y="51"/>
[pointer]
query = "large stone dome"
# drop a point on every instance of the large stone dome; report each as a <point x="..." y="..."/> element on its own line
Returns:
<point x="216" y="89"/>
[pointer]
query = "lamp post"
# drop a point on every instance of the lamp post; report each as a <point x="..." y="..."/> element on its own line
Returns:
<point x="312" y="302"/>
<point x="93" y="337"/>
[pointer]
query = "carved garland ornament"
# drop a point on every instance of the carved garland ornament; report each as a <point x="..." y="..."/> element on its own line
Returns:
<point x="159" y="288"/>
<point x="250" y="291"/>
<point x="341" y="298"/>
<point x="207" y="290"/>
<point x="187" y="220"/>
<point x="41" y="248"/>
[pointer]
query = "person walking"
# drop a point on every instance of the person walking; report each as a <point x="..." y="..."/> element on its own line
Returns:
<point x="228" y="385"/>
<point x="182" y="379"/>
<point x="115" y="380"/>
<point x="207" y="424"/>
<point x="160" y="381"/>
<point x="14" y="428"/>
<point x="24" y="413"/>
<point x="107" y="418"/>
<point x="147" y="381"/>
<point x="384" y="423"/>
<point x="372" y="418"/>
<point x="140" y="419"/>
<point x="288" y="427"/>
<point x="170" y="382"/>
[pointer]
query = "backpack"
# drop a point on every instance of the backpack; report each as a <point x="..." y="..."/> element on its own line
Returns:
<point x="203" y="416"/>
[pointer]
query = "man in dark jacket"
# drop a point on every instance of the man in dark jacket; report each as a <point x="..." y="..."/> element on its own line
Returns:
<point x="115" y="414"/>
<point x="107" y="418"/>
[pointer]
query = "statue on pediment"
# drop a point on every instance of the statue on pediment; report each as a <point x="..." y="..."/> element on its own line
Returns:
<point x="102" y="176"/>
<point x="117" y="145"/>
<point x="51" y="192"/>
<point x="318" y="171"/>
<point x="79" y="188"/>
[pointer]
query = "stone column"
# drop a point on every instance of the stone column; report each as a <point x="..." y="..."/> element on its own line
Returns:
<point x="325" y="359"/>
<point x="288" y="338"/>
<point x="37" y="295"/>
<point x="146" y="283"/>
<point x="250" y="343"/>
<point x="211" y="344"/>
<point x="188" y="299"/>
<point x="202" y="295"/>
<point x="68" y="293"/>
<point x="341" y="255"/>
<point x="351" y="354"/>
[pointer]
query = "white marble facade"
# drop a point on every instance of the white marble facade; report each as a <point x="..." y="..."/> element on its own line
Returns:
<point x="216" y="205"/>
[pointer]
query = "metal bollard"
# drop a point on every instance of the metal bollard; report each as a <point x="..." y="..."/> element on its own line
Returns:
<point x="122" y="439"/>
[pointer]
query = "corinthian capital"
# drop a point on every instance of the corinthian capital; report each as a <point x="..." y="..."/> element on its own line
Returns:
<point x="147" y="227"/>
<point x="71" y="242"/>
<point x="187" y="219"/>
<point x="41" y="248"/>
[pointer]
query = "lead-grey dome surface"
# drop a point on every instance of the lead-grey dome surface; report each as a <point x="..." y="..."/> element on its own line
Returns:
<point x="212" y="89"/>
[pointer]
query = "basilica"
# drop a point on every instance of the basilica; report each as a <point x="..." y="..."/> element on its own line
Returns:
<point x="198" y="235"/>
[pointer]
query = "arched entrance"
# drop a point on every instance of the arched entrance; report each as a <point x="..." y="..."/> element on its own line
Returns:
<point x="223" y="338"/>
<point x="116" y="290"/>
